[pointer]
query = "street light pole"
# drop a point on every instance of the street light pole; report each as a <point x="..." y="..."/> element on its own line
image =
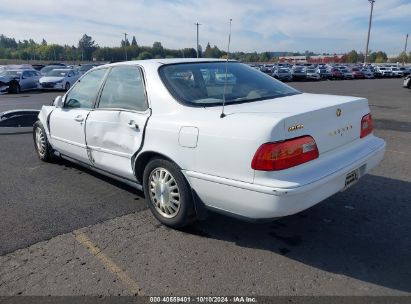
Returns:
<point x="197" y="25"/>
<point x="405" y="50"/>
<point x="125" y="45"/>
<point x="369" y="31"/>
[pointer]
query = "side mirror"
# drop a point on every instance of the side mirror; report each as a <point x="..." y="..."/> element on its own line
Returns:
<point x="58" y="102"/>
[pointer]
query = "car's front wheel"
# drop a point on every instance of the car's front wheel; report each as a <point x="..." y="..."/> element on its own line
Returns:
<point x="41" y="143"/>
<point x="167" y="193"/>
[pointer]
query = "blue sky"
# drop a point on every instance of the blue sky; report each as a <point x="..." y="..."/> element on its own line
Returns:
<point x="332" y="26"/>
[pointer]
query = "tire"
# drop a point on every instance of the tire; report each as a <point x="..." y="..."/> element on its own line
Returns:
<point x="15" y="88"/>
<point x="41" y="143"/>
<point x="67" y="86"/>
<point x="168" y="194"/>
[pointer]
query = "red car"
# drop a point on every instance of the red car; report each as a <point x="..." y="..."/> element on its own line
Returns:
<point x="357" y="73"/>
<point x="336" y="74"/>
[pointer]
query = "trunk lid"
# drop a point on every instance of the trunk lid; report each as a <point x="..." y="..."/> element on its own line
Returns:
<point x="333" y="121"/>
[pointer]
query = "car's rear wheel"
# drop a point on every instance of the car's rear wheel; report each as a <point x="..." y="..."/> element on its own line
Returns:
<point x="168" y="194"/>
<point x="41" y="143"/>
<point x="67" y="87"/>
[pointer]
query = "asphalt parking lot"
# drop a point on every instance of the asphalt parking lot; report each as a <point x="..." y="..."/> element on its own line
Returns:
<point x="67" y="231"/>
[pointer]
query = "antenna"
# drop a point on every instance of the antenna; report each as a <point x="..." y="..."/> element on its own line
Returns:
<point x="226" y="67"/>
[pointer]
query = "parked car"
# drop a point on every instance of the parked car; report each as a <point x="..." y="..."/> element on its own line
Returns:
<point x="368" y="73"/>
<point x="383" y="71"/>
<point x="407" y="82"/>
<point x="59" y="79"/>
<point x="336" y="74"/>
<point x="357" y="73"/>
<point x="38" y="67"/>
<point x="346" y="73"/>
<point x="405" y="70"/>
<point x="283" y="74"/>
<point x="312" y="74"/>
<point x="396" y="72"/>
<point x="171" y="138"/>
<point x="324" y="73"/>
<point x="299" y="73"/>
<point x="44" y="71"/>
<point x="15" y="81"/>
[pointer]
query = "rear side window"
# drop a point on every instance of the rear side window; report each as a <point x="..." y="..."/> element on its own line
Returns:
<point x="124" y="89"/>
<point x="210" y="83"/>
<point x="84" y="93"/>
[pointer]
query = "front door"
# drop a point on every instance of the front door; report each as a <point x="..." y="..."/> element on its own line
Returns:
<point x="114" y="129"/>
<point x="67" y="124"/>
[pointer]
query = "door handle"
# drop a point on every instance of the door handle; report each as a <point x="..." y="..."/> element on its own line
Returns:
<point x="132" y="124"/>
<point x="79" y="118"/>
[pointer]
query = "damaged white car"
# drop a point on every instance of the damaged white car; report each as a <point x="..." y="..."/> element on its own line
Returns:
<point x="251" y="147"/>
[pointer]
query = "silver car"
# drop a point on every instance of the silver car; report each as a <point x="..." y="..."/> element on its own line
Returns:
<point x="15" y="81"/>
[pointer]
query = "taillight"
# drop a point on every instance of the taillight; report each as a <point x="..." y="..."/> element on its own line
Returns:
<point x="366" y="125"/>
<point x="285" y="154"/>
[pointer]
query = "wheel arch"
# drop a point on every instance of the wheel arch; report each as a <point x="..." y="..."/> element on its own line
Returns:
<point x="143" y="159"/>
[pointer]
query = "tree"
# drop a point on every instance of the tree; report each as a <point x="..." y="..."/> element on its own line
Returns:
<point x="265" y="57"/>
<point x="87" y="46"/>
<point x="144" y="55"/>
<point x="43" y="42"/>
<point x="134" y="41"/>
<point x="352" y="57"/>
<point x="208" y="51"/>
<point x="157" y="50"/>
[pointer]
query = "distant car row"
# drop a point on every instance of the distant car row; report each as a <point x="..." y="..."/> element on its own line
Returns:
<point x="288" y="72"/>
<point x="15" y="79"/>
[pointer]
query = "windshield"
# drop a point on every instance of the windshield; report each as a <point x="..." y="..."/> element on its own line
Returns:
<point x="310" y="71"/>
<point x="58" y="73"/>
<point x="202" y="84"/>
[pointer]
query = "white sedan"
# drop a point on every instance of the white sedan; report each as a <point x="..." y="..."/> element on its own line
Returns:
<point x="59" y="79"/>
<point x="251" y="147"/>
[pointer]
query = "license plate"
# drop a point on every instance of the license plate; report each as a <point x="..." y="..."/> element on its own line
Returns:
<point x="351" y="178"/>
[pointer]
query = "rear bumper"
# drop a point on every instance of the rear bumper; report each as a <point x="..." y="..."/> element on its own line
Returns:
<point x="256" y="201"/>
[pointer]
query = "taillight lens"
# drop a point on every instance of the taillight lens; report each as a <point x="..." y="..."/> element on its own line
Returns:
<point x="366" y="125"/>
<point x="285" y="154"/>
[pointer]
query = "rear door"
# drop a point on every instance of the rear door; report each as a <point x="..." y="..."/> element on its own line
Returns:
<point x="114" y="129"/>
<point x="67" y="124"/>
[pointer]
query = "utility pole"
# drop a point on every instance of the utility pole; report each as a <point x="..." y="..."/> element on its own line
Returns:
<point x="369" y="30"/>
<point x="197" y="25"/>
<point x="125" y="45"/>
<point x="405" y="49"/>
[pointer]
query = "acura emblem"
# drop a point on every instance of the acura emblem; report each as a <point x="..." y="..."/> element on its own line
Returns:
<point x="338" y="112"/>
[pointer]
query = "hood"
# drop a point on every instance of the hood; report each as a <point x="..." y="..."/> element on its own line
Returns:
<point x="6" y="78"/>
<point x="51" y="79"/>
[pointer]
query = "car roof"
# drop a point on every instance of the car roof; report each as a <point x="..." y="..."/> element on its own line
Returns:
<point x="162" y="61"/>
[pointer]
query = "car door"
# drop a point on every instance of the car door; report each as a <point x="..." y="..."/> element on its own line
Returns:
<point x="114" y="129"/>
<point x="25" y="81"/>
<point x="67" y="123"/>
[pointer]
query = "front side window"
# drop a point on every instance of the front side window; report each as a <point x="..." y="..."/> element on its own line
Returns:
<point x="84" y="93"/>
<point x="124" y="89"/>
<point x="208" y="83"/>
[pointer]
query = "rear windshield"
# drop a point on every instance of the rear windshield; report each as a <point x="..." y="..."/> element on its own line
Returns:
<point x="207" y="83"/>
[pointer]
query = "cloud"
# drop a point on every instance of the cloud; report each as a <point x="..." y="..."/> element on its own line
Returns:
<point x="318" y="25"/>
